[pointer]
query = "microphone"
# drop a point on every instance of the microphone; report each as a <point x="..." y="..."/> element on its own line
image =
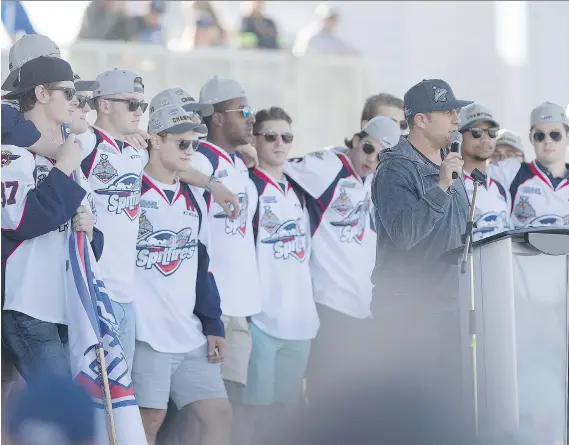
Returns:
<point x="455" y="143"/>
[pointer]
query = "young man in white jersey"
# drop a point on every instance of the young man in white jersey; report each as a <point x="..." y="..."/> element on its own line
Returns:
<point x="479" y="129"/>
<point x="233" y="249"/>
<point x="179" y="334"/>
<point x="540" y="196"/>
<point x="338" y="188"/>
<point x="282" y="332"/>
<point x="39" y="201"/>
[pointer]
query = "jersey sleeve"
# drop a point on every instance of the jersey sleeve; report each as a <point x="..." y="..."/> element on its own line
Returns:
<point x="29" y="211"/>
<point x="143" y="152"/>
<point x="88" y="142"/>
<point x="505" y="171"/>
<point x="201" y="163"/>
<point x="315" y="171"/>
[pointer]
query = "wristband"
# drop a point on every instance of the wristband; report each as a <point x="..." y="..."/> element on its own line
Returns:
<point x="212" y="180"/>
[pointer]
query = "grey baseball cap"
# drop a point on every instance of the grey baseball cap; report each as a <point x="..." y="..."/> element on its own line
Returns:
<point x="84" y="85"/>
<point x="548" y="113"/>
<point x="384" y="130"/>
<point x="508" y="137"/>
<point x="474" y="114"/>
<point x="118" y="81"/>
<point x="174" y="119"/>
<point x="28" y="47"/>
<point x="179" y="96"/>
<point x="218" y="89"/>
<point x="431" y="95"/>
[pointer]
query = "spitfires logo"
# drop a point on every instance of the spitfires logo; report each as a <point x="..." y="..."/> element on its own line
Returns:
<point x="549" y="220"/>
<point x="288" y="240"/>
<point x="239" y="224"/>
<point x="353" y="223"/>
<point x="490" y="223"/>
<point x="124" y="195"/>
<point x="165" y="250"/>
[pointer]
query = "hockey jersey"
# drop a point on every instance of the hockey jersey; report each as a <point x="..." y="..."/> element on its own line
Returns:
<point x="113" y="170"/>
<point x="38" y="202"/>
<point x="492" y="213"/>
<point x="234" y="262"/>
<point x="538" y="199"/>
<point x="282" y="240"/>
<point x="342" y="229"/>
<point x="177" y="301"/>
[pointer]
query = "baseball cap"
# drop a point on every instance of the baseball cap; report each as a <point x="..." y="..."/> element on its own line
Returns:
<point x="508" y="137"/>
<point x="118" y="81"/>
<point x="431" y="95"/>
<point x="39" y="71"/>
<point x="218" y="89"/>
<point x="474" y="114"/>
<point x="51" y="409"/>
<point x="384" y="130"/>
<point x="548" y="113"/>
<point x="84" y="85"/>
<point x="28" y="47"/>
<point x="179" y="96"/>
<point x="174" y="119"/>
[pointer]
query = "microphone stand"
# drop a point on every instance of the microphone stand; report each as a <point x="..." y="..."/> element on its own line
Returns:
<point x="478" y="178"/>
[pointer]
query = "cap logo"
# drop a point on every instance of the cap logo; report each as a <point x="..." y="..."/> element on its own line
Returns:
<point x="155" y="124"/>
<point x="407" y="112"/>
<point x="173" y="111"/>
<point x="187" y="99"/>
<point x="179" y="92"/>
<point x="479" y="114"/>
<point x="181" y="118"/>
<point x="440" y="94"/>
<point x="546" y="118"/>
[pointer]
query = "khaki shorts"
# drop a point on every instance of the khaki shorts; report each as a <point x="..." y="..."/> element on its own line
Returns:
<point x="237" y="349"/>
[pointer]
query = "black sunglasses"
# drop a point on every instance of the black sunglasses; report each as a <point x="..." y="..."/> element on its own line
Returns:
<point x="539" y="136"/>
<point x="271" y="136"/>
<point x="403" y="125"/>
<point x="368" y="149"/>
<point x="133" y="104"/>
<point x="478" y="132"/>
<point x="69" y="92"/>
<point x="82" y="101"/>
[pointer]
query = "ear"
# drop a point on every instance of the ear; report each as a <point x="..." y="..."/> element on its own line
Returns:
<point x="529" y="137"/>
<point x="155" y="140"/>
<point x="420" y="120"/>
<point x="217" y="119"/>
<point x="364" y="122"/>
<point x="42" y="94"/>
<point x="104" y="106"/>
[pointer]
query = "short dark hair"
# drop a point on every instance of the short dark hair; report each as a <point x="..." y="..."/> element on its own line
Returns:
<point x="350" y="142"/>
<point x="217" y="108"/>
<point x="28" y="99"/>
<point x="270" y="114"/>
<point x="372" y="104"/>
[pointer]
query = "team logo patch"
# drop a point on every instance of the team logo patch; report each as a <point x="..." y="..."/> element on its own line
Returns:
<point x="124" y="195"/>
<point x="104" y="170"/>
<point x="440" y="94"/>
<point x="353" y="224"/>
<point x="8" y="157"/>
<point x="239" y="224"/>
<point x="269" y="221"/>
<point x="490" y="223"/>
<point x="343" y="204"/>
<point x="144" y="226"/>
<point x="165" y="250"/>
<point x="547" y="220"/>
<point x="523" y="210"/>
<point x="288" y="240"/>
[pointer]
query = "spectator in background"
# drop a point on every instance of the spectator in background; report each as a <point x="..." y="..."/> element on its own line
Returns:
<point x="508" y="145"/>
<point x="319" y="37"/>
<point x="385" y="104"/>
<point x="105" y="20"/>
<point x="15" y="19"/>
<point x="149" y="25"/>
<point x="258" y="31"/>
<point x="207" y="28"/>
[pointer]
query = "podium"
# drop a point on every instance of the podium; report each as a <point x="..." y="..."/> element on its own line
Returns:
<point x="516" y="382"/>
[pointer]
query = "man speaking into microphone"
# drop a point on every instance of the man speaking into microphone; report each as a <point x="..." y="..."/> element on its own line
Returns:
<point x="421" y="213"/>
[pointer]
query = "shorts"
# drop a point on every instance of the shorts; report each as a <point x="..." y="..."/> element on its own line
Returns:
<point x="237" y="349"/>
<point x="276" y="370"/>
<point x="186" y="378"/>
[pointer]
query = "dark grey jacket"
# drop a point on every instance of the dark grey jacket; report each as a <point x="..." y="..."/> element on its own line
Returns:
<point x="416" y="222"/>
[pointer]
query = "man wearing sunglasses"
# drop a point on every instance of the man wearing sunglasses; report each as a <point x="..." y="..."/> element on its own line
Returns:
<point x="538" y="189"/>
<point x="479" y="131"/>
<point x="179" y="333"/>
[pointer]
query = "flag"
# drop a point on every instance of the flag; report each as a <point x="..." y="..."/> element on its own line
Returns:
<point x="91" y="322"/>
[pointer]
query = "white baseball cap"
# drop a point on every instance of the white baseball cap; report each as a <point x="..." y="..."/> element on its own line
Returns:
<point x="384" y="130"/>
<point x="218" y="89"/>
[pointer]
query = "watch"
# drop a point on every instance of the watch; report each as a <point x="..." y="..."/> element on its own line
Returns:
<point x="212" y="179"/>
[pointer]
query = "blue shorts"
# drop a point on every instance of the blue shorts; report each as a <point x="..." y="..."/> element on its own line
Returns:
<point x="276" y="370"/>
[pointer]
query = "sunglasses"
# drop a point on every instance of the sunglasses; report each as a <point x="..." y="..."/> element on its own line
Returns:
<point x="68" y="92"/>
<point x="478" y="132"/>
<point x="271" y="136"/>
<point x="246" y="111"/>
<point x="539" y="136"/>
<point x="185" y="144"/>
<point x="82" y="101"/>
<point x="133" y="104"/>
<point x="368" y="148"/>
<point x="403" y="125"/>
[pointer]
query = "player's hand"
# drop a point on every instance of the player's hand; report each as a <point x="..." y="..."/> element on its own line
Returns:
<point x="226" y="199"/>
<point x="83" y="222"/>
<point x="138" y="139"/>
<point x="249" y="154"/>
<point x="453" y="163"/>
<point x="215" y="349"/>
<point x="70" y="155"/>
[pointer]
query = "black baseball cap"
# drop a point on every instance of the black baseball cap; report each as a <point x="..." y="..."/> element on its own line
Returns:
<point x="431" y="95"/>
<point x="40" y="71"/>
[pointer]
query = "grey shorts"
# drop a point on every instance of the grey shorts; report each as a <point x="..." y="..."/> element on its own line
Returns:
<point x="186" y="378"/>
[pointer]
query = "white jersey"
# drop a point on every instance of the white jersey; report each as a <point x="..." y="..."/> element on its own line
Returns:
<point x="173" y="286"/>
<point x="114" y="173"/>
<point x="538" y="199"/>
<point x="232" y="246"/>
<point x="282" y="238"/>
<point x="493" y="205"/>
<point x="38" y="202"/>
<point x="343" y="230"/>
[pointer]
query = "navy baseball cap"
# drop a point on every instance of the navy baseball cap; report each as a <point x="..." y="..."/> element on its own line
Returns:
<point x="431" y="95"/>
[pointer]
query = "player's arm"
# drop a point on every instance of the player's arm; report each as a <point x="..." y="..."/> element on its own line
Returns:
<point x="29" y="211"/>
<point x="505" y="171"/>
<point x="314" y="172"/>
